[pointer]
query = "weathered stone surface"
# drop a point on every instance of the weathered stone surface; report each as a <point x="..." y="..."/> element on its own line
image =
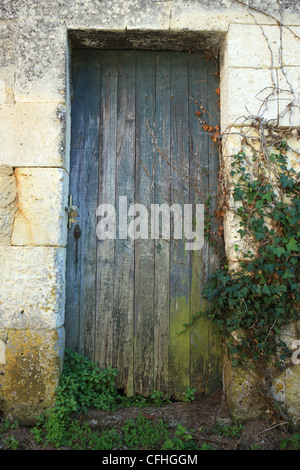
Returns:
<point x="286" y="391"/>
<point x="228" y="12"/>
<point x="8" y="56"/>
<point x="246" y="140"/>
<point x="2" y="92"/>
<point x="2" y="352"/>
<point x="147" y="39"/>
<point x="8" y="207"/>
<point x="233" y="143"/>
<point x="41" y="72"/>
<point x="290" y="50"/>
<point x="248" y="93"/>
<point x="286" y="386"/>
<point x="262" y="46"/>
<point x="253" y="81"/>
<point x="30" y="69"/>
<point x="245" y="402"/>
<point x="289" y="102"/>
<point x="252" y="46"/>
<point x="197" y="14"/>
<point x="33" y="366"/>
<point x="240" y="384"/>
<point x="292" y="395"/>
<point x="32" y="134"/>
<point x="41" y="218"/>
<point x="241" y="388"/>
<point x="234" y="244"/>
<point x="32" y="287"/>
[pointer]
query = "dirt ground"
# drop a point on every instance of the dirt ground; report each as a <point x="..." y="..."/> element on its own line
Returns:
<point x="199" y="416"/>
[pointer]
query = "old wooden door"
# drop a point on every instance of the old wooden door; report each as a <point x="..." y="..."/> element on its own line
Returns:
<point x="137" y="132"/>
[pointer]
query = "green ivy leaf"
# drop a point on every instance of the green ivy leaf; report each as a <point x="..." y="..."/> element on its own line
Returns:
<point x="279" y="251"/>
<point x="266" y="290"/>
<point x="292" y="245"/>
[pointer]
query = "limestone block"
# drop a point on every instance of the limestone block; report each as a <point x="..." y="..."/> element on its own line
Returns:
<point x="291" y="333"/>
<point x="32" y="134"/>
<point x="294" y="151"/>
<point x="232" y="238"/>
<point x="291" y="46"/>
<point x="8" y="207"/>
<point x="286" y="386"/>
<point x="235" y="246"/>
<point x="292" y="393"/>
<point x="241" y="388"/>
<point x="246" y="93"/>
<point x="91" y="14"/>
<point x="286" y="391"/>
<point x="41" y="61"/>
<point x="8" y="40"/>
<point x="248" y="140"/>
<point x="289" y="102"/>
<point x="32" y="281"/>
<point x="252" y="46"/>
<point x="2" y="92"/>
<point x="235" y="141"/>
<point x="152" y="15"/>
<point x="212" y="15"/>
<point x="227" y="9"/>
<point x="41" y="218"/>
<point x="33" y="366"/>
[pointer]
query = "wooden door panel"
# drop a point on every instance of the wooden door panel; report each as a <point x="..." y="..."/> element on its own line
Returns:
<point x="135" y="133"/>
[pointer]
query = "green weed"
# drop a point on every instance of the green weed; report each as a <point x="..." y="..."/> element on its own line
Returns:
<point x="6" y="428"/>
<point x="234" y="431"/>
<point x="290" y="443"/>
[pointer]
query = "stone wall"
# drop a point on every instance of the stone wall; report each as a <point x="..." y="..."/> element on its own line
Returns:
<point x="257" y="56"/>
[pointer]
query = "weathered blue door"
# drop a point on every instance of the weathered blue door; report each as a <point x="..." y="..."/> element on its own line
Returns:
<point x="137" y="131"/>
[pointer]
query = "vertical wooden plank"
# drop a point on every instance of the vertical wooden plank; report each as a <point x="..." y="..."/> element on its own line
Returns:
<point x="124" y="248"/>
<point x="73" y="269"/>
<point x="199" y="167"/>
<point x="107" y="176"/>
<point x="144" y="248"/>
<point x="89" y="192"/>
<point x="162" y="247"/>
<point x="80" y="302"/>
<point x="215" y="350"/>
<point x="179" y="274"/>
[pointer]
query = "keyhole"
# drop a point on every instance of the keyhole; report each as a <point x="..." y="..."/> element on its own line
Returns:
<point x="77" y="233"/>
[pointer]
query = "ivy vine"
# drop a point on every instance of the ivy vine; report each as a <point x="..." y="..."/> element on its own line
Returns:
<point x="252" y="304"/>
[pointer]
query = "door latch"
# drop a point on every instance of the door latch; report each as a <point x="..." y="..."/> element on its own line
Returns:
<point x="72" y="213"/>
<point x="77" y="234"/>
